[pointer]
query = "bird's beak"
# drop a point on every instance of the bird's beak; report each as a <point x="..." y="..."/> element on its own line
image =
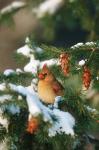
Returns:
<point x="41" y="76"/>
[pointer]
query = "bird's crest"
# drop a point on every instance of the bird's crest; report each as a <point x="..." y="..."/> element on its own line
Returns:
<point x="45" y="67"/>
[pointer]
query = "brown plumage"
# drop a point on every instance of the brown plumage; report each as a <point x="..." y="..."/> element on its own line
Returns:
<point x="48" y="86"/>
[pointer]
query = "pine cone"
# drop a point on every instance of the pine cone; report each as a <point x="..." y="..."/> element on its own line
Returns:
<point x="32" y="125"/>
<point x="86" y="77"/>
<point x="64" y="62"/>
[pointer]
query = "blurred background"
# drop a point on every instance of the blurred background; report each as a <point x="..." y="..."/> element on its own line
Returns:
<point x="54" y="22"/>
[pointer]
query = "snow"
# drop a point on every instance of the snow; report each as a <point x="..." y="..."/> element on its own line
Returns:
<point x="77" y="45"/>
<point x="8" y="72"/>
<point x="48" y="6"/>
<point x="25" y="50"/>
<point x="32" y="66"/>
<point x="5" y="97"/>
<point x="13" y="6"/>
<point x="64" y="124"/>
<point x="27" y="40"/>
<point x="4" y="144"/>
<point x="57" y="100"/>
<point x="18" y="70"/>
<point x="49" y="62"/>
<point x="33" y="86"/>
<point x="2" y="86"/>
<point x="90" y="43"/>
<point x="65" y="121"/>
<point x="34" y="104"/>
<point x="97" y="78"/>
<point x="35" y="81"/>
<point x="39" y="50"/>
<point x="92" y="110"/>
<point x="34" y="108"/>
<point x="14" y="109"/>
<point x="82" y="44"/>
<point x="19" y="97"/>
<point x="3" y="120"/>
<point x="81" y="63"/>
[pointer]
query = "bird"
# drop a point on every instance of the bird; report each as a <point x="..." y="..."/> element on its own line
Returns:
<point x="48" y="86"/>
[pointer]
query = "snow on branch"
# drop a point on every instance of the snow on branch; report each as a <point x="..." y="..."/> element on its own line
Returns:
<point x="80" y="45"/>
<point x="8" y="72"/>
<point x="64" y="122"/>
<point x="13" y="6"/>
<point x="2" y="86"/>
<point x="3" y="120"/>
<point x="33" y="65"/>
<point x="5" y="97"/>
<point x="48" y="6"/>
<point x="25" y="50"/>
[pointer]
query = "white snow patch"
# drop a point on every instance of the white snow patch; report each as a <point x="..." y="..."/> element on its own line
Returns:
<point x="81" y="63"/>
<point x="64" y="124"/>
<point x="18" y="70"/>
<point x="90" y="43"/>
<point x="77" y="45"/>
<point x="4" y="122"/>
<point x="25" y="50"/>
<point x="82" y="44"/>
<point x="39" y="50"/>
<point x="3" y="98"/>
<point x="14" y="109"/>
<point x="4" y="144"/>
<point x="27" y="40"/>
<point x="33" y="86"/>
<point x="11" y="7"/>
<point x="57" y="100"/>
<point x="32" y="66"/>
<point x="19" y="97"/>
<point x="48" y="6"/>
<point x="49" y="62"/>
<point x="35" y="81"/>
<point x="2" y="86"/>
<point x="92" y="110"/>
<point x="8" y="72"/>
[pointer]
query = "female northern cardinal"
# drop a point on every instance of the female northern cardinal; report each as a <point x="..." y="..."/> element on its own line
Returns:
<point x="48" y="86"/>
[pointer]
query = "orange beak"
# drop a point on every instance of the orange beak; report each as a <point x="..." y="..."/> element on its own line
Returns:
<point x="41" y="76"/>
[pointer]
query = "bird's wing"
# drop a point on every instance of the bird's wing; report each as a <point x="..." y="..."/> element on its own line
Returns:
<point x="57" y="87"/>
